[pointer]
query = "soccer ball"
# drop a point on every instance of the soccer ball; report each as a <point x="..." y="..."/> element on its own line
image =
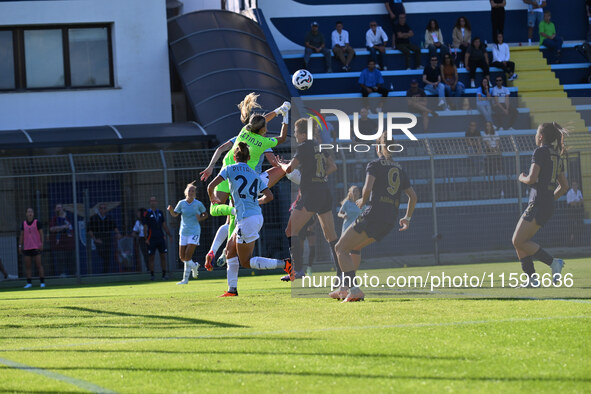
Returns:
<point x="302" y="79"/>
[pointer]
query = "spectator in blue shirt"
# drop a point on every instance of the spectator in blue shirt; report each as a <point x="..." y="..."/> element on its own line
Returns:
<point x="371" y="81"/>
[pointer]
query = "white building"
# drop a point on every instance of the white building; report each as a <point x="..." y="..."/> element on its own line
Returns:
<point x="83" y="63"/>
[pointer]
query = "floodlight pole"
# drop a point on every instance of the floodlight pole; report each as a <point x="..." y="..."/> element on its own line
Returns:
<point x="433" y="203"/>
<point x="169" y="257"/>
<point x="76" y="229"/>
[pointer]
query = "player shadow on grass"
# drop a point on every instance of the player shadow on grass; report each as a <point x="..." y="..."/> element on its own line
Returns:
<point x="200" y="369"/>
<point x="161" y="317"/>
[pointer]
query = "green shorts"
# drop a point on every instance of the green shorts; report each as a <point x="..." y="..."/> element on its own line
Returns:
<point x="223" y="187"/>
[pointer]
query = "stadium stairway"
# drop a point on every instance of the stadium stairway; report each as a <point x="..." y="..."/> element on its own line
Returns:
<point x="541" y="92"/>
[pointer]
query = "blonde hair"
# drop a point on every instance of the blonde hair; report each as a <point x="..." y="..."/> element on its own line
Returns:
<point x="301" y="125"/>
<point x="247" y="105"/>
<point x="350" y="195"/>
<point x="190" y="185"/>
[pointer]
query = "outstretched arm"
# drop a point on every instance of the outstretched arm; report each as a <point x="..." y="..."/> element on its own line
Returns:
<point x="205" y="174"/>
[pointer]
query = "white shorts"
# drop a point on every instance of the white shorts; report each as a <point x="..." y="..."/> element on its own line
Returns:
<point x="185" y="240"/>
<point x="247" y="229"/>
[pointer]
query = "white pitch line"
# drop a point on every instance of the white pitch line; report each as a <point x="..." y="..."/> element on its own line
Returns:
<point x="82" y="384"/>
<point x="304" y="331"/>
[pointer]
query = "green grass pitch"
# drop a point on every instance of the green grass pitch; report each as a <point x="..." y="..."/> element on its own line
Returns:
<point x="159" y="337"/>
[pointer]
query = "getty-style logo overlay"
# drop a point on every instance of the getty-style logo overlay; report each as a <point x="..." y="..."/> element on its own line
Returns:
<point x="391" y="125"/>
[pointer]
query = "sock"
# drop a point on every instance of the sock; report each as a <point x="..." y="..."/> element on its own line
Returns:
<point x="231" y="226"/>
<point x="152" y="273"/>
<point x="543" y="256"/>
<point x="220" y="237"/>
<point x="349" y="279"/>
<point x="335" y="258"/>
<point x="527" y="265"/>
<point x="29" y="280"/>
<point x="265" y="263"/>
<point x="232" y="273"/>
<point x="186" y="271"/>
<point x="220" y="210"/>
<point x="42" y="280"/>
<point x="163" y="273"/>
<point x="297" y="252"/>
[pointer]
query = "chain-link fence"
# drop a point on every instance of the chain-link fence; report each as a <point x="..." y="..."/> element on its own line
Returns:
<point x="469" y="199"/>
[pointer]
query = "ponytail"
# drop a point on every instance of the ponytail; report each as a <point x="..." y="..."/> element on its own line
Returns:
<point x="256" y="123"/>
<point x="552" y="132"/>
<point x="241" y="152"/>
<point x="247" y="105"/>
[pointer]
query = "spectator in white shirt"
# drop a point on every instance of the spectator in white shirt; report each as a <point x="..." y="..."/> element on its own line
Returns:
<point x="375" y="41"/>
<point x="504" y="113"/>
<point x="574" y="201"/>
<point x="341" y="47"/>
<point x="501" y="56"/>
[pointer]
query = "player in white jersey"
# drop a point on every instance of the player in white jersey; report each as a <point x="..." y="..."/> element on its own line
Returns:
<point x="192" y="212"/>
<point x="245" y="185"/>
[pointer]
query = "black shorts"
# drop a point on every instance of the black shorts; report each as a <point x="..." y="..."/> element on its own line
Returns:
<point x="157" y="244"/>
<point x="373" y="226"/>
<point x="315" y="202"/>
<point x="539" y="209"/>
<point x="31" y="252"/>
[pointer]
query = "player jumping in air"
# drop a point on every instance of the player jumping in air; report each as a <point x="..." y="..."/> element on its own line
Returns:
<point x="315" y="196"/>
<point x="192" y="213"/>
<point x="245" y="185"/>
<point x="253" y="134"/>
<point x="545" y="172"/>
<point x="385" y="181"/>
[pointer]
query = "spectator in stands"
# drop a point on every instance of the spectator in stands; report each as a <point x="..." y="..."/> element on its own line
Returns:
<point x="504" y="113"/>
<point x="432" y="80"/>
<point x="451" y="80"/>
<point x="375" y="42"/>
<point x="483" y="100"/>
<point x="315" y="43"/>
<point x="461" y="34"/>
<point x="588" y="9"/>
<point x="434" y="39"/>
<point x="492" y="146"/>
<point x="574" y="199"/>
<point x="101" y="229"/>
<point x="371" y="81"/>
<point x="366" y="125"/>
<point x="476" y="56"/>
<point x="395" y="8"/>
<point x="341" y="47"/>
<point x="501" y="56"/>
<point x="61" y="242"/>
<point x="549" y="39"/>
<point x="30" y="245"/>
<point x="497" y="16"/>
<point x="403" y="33"/>
<point x="535" y="14"/>
<point x="417" y="102"/>
<point x="139" y="237"/>
<point x="474" y="148"/>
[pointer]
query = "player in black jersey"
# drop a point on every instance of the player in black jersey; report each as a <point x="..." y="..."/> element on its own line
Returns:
<point x="385" y="182"/>
<point x="545" y="172"/>
<point x="315" y="196"/>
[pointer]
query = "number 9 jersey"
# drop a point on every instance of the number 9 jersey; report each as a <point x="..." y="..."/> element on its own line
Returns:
<point x="390" y="182"/>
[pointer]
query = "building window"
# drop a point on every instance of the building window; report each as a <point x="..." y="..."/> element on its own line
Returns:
<point x="55" y="57"/>
<point x="6" y="61"/>
<point x="44" y="59"/>
<point x="89" y="57"/>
